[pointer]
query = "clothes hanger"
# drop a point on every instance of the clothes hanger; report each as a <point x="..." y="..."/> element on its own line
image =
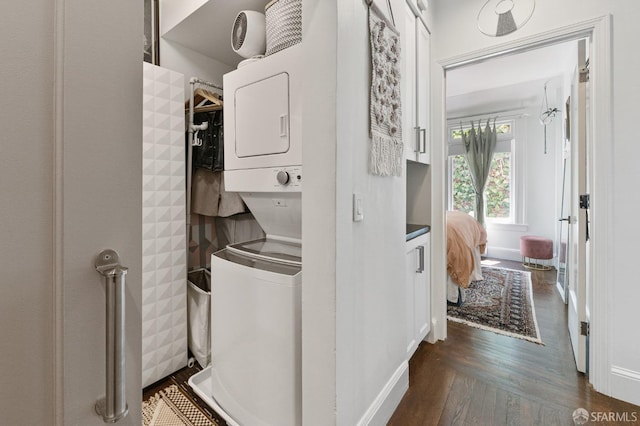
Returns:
<point x="205" y="101"/>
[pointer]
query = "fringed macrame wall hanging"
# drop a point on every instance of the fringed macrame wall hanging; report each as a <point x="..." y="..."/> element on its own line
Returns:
<point x="385" y="109"/>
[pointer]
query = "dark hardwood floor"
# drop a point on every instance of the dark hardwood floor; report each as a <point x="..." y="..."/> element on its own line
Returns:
<point x="477" y="377"/>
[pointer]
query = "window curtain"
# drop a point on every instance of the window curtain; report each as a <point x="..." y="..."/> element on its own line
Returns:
<point x="479" y="148"/>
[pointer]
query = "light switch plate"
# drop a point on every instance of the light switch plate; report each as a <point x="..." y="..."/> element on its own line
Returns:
<point x="358" y="207"/>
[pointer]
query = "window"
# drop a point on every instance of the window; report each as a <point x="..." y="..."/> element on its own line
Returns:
<point x="501" y="129"/>
<point x="499" y="193"/>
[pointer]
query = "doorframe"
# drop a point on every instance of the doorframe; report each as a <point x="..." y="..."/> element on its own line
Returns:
<point x="600" y="179"/>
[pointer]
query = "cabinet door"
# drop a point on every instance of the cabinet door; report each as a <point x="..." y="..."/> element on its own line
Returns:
<point x="410" y="273"/>
<point x="423" y="72"/>
<point x="422" y="293"/>
<point x="262" y="117"/>
<point x="409" y="83"/>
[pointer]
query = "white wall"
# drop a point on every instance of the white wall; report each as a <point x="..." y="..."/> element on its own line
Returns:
<point x="182" y="59"/>
<point x="26" y="173"/>
<point x="452" y="40"/>
<point x="370" y="255"/>
<point x="173" y="12"/>
<point x="353" y="300"/>
<point x="191" y="64"/>
<point x="538" y="191"/>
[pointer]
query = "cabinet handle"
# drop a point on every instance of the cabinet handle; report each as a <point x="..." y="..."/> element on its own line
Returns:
<point x="423" y="139"/>
<point x="416" y="145"/>
<point x="113" y="406"/>
<point x="284" y="125"/>
<point x="420" y="259"/>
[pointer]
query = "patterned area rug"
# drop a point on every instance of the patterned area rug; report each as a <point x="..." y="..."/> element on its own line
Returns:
<point x="170" y="407"/>
<point x="502" y="303"/>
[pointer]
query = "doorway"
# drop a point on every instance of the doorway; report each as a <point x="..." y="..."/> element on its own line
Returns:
<point x="523" y="96"/>
<point x="598" y="31"/>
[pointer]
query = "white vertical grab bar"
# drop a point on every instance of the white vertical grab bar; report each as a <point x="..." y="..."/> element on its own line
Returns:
<point x="113" y="406"/>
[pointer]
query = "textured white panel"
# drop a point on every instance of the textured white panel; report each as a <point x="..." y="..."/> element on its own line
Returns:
<point x="164" y="318"/>
<point x="177" y="152"/>
<point x="148" y="247"/>
<point x="147" y="119"/>
<point x="162" y="120"/>
<point x="149" y="229"/>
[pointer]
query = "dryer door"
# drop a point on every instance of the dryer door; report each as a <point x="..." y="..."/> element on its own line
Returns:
<point x="262" y="117"/>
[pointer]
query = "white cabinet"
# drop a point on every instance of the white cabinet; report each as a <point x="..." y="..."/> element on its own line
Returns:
<point x="415" y="87"/>
<point x="418" y="291"/>
<point x="423" y="112"/>
<point x="408" y="61"/>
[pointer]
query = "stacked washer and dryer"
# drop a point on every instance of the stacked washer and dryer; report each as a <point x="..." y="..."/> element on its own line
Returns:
<point x="255" y="372"/>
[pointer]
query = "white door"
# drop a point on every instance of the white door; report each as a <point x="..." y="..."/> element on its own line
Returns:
<point x="423" y="60"/>
<point x="422" y="291"/>
<point x="577" y="298"/>
<point x="411" y="265"/>
<point x="99" y="194"/>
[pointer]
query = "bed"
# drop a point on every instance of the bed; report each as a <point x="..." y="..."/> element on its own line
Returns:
<point x="466" y="241"/>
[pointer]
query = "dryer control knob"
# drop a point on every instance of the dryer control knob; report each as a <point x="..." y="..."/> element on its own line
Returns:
<point x="282" y="177"/>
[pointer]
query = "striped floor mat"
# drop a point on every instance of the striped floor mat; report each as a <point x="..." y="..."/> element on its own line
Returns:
<point x="170" y="407"/>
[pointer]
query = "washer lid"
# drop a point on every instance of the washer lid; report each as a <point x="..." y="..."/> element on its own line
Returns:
<point x="270" y="249"/>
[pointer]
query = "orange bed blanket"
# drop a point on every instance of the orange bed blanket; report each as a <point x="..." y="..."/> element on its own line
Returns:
<point x="464" y="234"/>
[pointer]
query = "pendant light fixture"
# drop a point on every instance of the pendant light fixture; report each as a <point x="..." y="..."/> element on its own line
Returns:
<point x="546" y="115"/>
<point x="502" y="17"/>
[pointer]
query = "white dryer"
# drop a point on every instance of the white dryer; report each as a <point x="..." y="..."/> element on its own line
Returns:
<point x="263" y="113"/>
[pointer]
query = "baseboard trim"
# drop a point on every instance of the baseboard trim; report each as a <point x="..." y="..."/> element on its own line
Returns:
<point x="382" y="408"/>
<point x="504" y="253"/>
<point x="432" y="336"/>
<point x="625" y="384"/>
<point x="510" y="254"/>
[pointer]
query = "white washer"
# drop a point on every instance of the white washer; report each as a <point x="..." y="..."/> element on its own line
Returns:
<point x="256" y="332"/>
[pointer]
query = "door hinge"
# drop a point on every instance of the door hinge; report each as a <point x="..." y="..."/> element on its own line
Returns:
<point x="585" y="201"/>
<point x="584" y="328"/>
<point x="584" y="73"/>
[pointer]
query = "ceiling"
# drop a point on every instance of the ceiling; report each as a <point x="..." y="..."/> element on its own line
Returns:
<point x="517" y="78"/>
<point x="213" y="21"/>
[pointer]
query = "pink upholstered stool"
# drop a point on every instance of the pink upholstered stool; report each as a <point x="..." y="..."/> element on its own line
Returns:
<point x="536" y="252"/>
